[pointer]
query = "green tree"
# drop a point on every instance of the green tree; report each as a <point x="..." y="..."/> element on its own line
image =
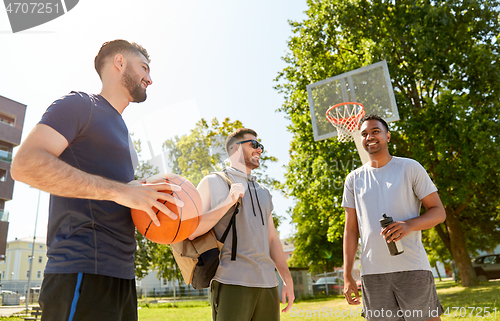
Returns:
<point x="443" y="60"/>
<point x="203" y="151"/>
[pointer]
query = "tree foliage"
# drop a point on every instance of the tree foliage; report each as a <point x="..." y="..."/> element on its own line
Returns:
<point x="443" y="61"/>
<point x="203" y="151"/>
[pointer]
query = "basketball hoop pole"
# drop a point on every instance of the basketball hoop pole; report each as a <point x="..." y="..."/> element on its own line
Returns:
<point x="363" y="154"/>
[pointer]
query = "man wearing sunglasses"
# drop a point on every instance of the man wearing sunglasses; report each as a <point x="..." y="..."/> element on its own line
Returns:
<point x="245" y="288"/>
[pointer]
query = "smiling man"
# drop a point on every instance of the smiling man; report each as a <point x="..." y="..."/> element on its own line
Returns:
<point x="244" y="287"/>
<point x="81" y="153"/>
<point x="399" y="287"/>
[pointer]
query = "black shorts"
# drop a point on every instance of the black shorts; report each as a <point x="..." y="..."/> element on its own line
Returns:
<point x="87" y="297"/>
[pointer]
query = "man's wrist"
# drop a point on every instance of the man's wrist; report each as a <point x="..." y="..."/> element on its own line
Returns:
<point x="288" y="280"/>
<point x="348" y="275"/>
<point x="409" y="225"/>
<point x="111" y="190"/>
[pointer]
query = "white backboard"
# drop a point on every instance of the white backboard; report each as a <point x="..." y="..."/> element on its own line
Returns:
<point x="369" y="85"/>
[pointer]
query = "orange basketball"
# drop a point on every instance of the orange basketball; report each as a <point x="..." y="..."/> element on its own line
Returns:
<point x="188" y="217"/>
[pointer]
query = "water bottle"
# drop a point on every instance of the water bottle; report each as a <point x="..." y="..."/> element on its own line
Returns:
<point x="395" y="248"/>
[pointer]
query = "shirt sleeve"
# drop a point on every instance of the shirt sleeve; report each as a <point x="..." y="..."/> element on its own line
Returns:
<point x="270" y="198"/>
<point x="422" y="183"/>
<point x="69" y="115"/>
<point x="348" y="196"/>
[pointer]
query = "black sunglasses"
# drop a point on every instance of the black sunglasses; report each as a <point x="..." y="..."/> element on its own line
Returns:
<point x="255" y="144"/>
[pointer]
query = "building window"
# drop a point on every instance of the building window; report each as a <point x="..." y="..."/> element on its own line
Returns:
<point x="28" y="273"/>
<point x="5" y="153"/>
<point x="40" y="259"/>
<point x="7" y="119"/>
<point x="3" y="175"/>
<point x="3" y="275"/>
<point x="41" y="246"/>
<point x="164" y="281"/>
<point x="38" y="274"/>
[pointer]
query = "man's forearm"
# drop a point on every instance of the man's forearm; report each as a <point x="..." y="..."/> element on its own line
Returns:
<point x="429" y="219"/>
<point x="278" y="256"/>
<point x="48" y="173"/>
<point x="212" y="217"/>
<point x="434" y="215"/>
<point x="350" y="248"/>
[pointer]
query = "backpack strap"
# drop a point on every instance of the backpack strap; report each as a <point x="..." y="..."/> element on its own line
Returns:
<point x="234" y="245"/>
<point x="232" y="222"/>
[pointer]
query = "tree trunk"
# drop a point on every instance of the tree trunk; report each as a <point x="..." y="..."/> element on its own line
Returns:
<point x="459" y="250"/>
<point x="437" y="270"/>
<point x="444" y="237"/>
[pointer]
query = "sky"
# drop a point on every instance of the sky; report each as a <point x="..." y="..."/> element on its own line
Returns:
<point x="208" y="59"/>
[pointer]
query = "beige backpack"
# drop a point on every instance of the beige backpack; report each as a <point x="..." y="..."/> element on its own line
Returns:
<point x="198" y="259"/>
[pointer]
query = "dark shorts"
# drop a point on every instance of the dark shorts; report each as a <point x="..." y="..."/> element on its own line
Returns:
<point x="234" y="302"/>
<point x="87" y="297"/>
<point x="408" y="295"/>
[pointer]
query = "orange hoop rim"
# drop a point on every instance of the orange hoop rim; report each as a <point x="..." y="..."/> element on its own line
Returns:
<point x="348" y="121"/>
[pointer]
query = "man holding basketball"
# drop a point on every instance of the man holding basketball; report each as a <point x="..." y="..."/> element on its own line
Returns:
<point x="244" y="288"/>
<point x="399" y="287"/>
<point x="81" y="153"/>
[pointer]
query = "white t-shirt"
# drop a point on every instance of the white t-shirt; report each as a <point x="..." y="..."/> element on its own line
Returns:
<point x="396" y="190"/>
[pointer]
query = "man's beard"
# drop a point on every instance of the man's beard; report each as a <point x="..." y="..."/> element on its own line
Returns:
<point x="250" y="163"/>
<point x="134" y="88"/>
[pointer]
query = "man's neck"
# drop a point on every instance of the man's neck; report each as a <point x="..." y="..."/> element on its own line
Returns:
<point x="379" y="160"/>
<point x="241" y="167"/>
<point x="115" y="98"/>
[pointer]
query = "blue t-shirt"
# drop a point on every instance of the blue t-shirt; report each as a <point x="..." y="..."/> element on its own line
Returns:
<point x="90" y="236"/>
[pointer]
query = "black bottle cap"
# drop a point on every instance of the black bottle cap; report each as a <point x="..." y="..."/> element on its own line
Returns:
<point x="386" y="220"/>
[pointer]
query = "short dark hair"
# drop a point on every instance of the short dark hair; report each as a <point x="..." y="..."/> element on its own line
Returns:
<point x="118" y="46"/>
<point x="374" y="117"/>
<point x="236" y="136"/>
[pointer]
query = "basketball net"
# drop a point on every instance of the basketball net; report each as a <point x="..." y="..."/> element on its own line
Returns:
<point x="345" y="118"/>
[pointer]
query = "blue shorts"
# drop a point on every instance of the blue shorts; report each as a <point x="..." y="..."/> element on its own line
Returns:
<point x="87" y="297"/>
<point x="398" y="296"/>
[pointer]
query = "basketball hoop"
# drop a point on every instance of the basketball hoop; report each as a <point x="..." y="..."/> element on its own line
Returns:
<point x="345" y="119"/>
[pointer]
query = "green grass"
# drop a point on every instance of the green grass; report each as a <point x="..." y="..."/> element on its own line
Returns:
<point x="183" y="311"/>
<point x="458" y="301"/>
<point x="455" y="298"/>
